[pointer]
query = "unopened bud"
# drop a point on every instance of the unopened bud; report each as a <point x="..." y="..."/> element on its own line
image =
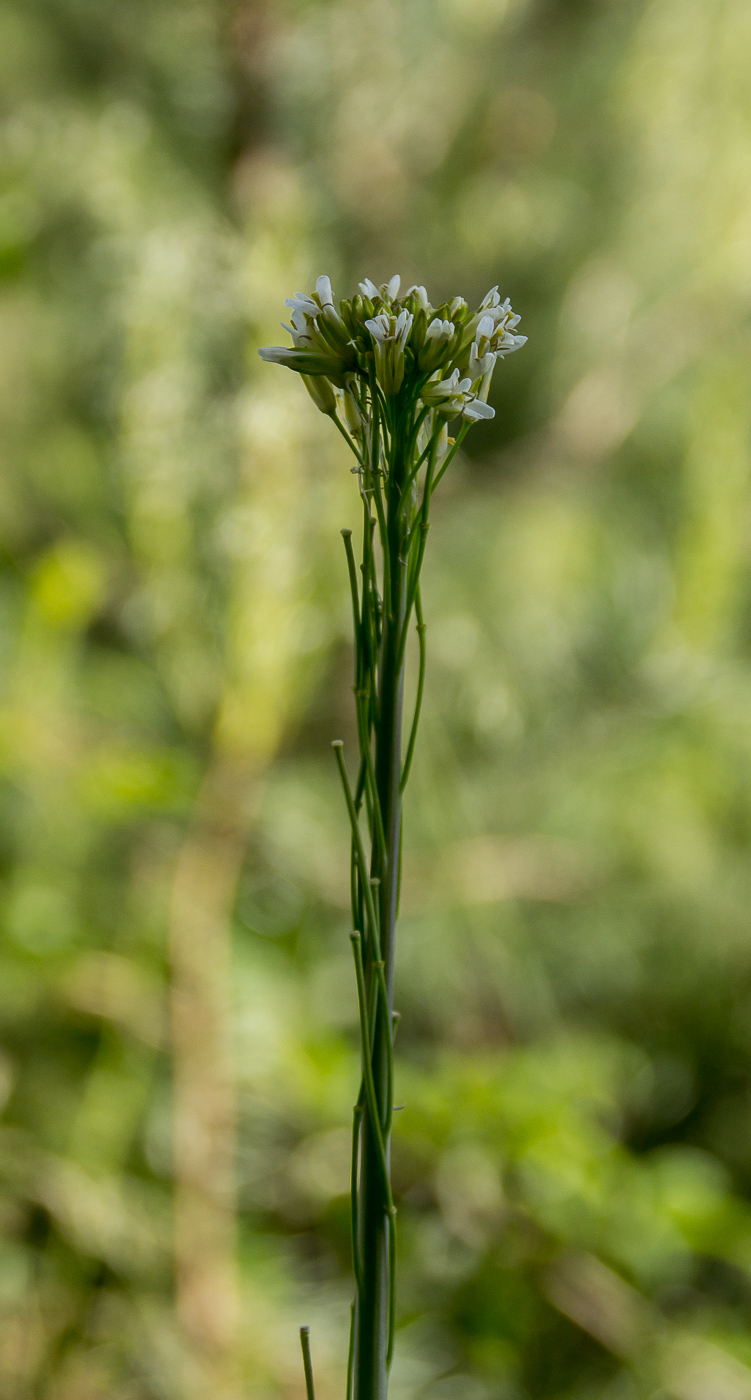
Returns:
<point x="321" y="392"/>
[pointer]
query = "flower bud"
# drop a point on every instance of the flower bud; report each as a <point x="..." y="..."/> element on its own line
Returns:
<point x="390" y="335"/>
<point x="421" y="297"/>
<point x="321" y="392"/>
<point x="353" y="418"/>
<point x="433" y="354"/>
<point x="304" y="361"/>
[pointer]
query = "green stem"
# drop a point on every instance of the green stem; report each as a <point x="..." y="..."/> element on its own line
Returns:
<point x="374" y="1116"/>
<point x="376" y="1241"/>
<point x="307" y="1363"/>
<point x="356" y="1130"/>
<point x="420" y="687"/>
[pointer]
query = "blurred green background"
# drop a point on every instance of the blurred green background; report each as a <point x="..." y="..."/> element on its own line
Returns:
<point x="177" y="1011"/>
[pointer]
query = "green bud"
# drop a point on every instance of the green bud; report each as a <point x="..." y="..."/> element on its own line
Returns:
<point x="304" y="361"/>
<point x="321" y="392"/>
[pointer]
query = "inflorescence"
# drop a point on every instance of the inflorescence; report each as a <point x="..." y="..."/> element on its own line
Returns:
<point x="441" y="358"/>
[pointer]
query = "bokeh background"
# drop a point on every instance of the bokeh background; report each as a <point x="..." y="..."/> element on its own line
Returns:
<point x="177" y="1012"/>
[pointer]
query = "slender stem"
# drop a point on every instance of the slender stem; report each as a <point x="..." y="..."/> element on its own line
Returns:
<point x="420" y="686"/>
<point x="374" y="1117"/>
<point x="351" y="1351"/>
<point x="347" y="537"/>
<point x="359" y="849"/>
<point x="349" y="441"/>
<point x="307" y="1363"/>
<point x="375" y="1300"/>
<point x="356" y="1129"/>
<point x="393" y="507"/>
<point x="364" y="740"/>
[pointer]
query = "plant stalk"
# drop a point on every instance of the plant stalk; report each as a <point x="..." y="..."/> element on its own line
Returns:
<point x="379" y="690"/>
<point x="375" y="1223"/>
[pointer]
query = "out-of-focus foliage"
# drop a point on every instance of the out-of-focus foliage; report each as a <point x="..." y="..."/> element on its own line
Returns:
<point x="574" y="1155"/>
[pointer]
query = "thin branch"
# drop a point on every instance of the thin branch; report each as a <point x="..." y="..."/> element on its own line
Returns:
<point x="421" y="629"/>
<point x="354" y="1178"/>
<point x="307" y="1363"/>
<point x="349" y="441"/>
<point x="361" y="861"/>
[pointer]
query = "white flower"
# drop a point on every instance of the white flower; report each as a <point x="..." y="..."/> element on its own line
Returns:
<point x="483" y="333"/>
<point x="306" y="332"/>
<point x="440" y="393"/>
<point x="475" y="409"/>
<point x="481" y="357"/>
<point x="403" y="326"/>
<point x="300" y="328"/>
<point x="422" y="297"/>
<point x="368" y="289"/>
<point x="454" y="395"/>
<point x="479" y="365"/>
<point x="439" y="330"/>
<point x="392" y="288"/>
<point x="390" y="334"/>
<point x="509" y="343"/>
<point x="379" y="327"/>
<point x="301" y="302"/>
<point x="432" y="354"/>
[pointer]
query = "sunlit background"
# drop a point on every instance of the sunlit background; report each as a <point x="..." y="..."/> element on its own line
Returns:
<point x="177" y="1009"/>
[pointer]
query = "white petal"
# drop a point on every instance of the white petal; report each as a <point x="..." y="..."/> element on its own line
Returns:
<point x="376" y="329"/>
<point x="302" y="302"/>
<point x="275" y="354"/>
<point x="323" y="288"/>
<point x="477" y="409"/>
<point x="368" y="288"/>
<point x="508" y="348"/>
<point x="392" y="289"/>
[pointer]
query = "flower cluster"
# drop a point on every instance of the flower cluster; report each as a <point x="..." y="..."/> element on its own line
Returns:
<point x="440" y="358"/>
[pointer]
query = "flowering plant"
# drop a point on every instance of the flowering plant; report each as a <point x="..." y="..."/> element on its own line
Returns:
<point x="391" y="373"/>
